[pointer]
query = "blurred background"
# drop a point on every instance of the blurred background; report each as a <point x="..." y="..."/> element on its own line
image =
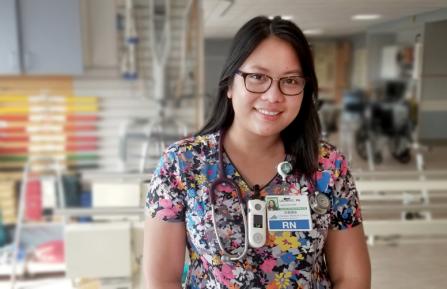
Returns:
<point x="92" y="91"/>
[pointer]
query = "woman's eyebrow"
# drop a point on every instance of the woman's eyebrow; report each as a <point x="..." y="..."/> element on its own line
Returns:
<point x="294" y="71"/>
<point x="257" y="67"/>
<point x="266" y="71"/>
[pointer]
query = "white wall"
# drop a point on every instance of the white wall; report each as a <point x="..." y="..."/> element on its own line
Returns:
<point x="121" y="100"/>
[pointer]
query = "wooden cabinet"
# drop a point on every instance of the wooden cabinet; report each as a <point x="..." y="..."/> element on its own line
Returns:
<point x="41" y="38"/>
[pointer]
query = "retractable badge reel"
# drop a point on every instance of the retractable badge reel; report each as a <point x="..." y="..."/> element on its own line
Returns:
<point x="284" y="169"/>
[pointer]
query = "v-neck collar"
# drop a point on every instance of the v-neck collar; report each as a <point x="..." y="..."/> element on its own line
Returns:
<point x="228" y="160"/>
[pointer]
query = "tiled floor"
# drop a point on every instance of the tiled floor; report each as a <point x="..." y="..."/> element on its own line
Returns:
<point x="409" y="266"/>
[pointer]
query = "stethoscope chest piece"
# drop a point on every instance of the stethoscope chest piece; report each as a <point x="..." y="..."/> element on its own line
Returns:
<point x="320" y="204"/>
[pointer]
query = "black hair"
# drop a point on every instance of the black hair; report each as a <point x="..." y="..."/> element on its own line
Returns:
<point x="301" y="138"/>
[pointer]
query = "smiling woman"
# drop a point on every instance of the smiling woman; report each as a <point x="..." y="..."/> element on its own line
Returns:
<point x="304" y="226"/>
<point x="266" y="105"/>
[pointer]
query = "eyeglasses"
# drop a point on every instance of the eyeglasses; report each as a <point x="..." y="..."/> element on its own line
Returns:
<point x="260" y="83"/>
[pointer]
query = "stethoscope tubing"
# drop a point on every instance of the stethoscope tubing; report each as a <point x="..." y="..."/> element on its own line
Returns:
<point x="228" y="256"/>
<point x="222" y="180"/>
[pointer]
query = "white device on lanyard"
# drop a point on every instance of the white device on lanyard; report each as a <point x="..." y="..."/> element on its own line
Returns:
<point x="257" y="224"/>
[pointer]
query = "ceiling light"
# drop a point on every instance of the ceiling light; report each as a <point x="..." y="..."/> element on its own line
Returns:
<point x="366" y="17"/>
<point x="313" y="31"/>
<point x="285" y="17"/>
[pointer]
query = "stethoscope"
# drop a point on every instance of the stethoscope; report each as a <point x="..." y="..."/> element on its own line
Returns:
<point x="320" y="204"/>
<point x="229" y="185"/>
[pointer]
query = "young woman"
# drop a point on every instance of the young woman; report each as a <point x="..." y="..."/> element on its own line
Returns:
<point x="265" y="115"/>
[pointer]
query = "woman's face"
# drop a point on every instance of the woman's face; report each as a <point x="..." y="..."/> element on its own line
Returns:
<point x="268" y="113"/>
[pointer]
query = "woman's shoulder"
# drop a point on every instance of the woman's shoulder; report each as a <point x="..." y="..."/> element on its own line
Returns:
<point x="194" y="143"/>
<point x="330" y="156"/>
<point x="326" y="146"/>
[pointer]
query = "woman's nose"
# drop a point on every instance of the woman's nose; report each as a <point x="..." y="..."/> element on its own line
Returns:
<point x="273" y="94"/>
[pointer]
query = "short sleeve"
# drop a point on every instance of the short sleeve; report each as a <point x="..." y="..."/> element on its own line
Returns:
<point x="165" y="199"/>
<point x="346" y="212"/>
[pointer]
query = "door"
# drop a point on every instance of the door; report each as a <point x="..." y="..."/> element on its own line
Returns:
<point x="433" y="106"/>
<point x="9" y="44"/>
<point x="51" y="36"/>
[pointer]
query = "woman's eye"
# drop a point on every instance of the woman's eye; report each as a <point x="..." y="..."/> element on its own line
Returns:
<point x="257" y="77"/>
<point x="296" y="81"/>
<point x="291" y="81"/>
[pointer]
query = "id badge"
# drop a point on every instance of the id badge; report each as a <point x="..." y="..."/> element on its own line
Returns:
<point x="288" y="213"/>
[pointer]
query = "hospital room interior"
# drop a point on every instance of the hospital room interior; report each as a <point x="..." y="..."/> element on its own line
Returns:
<point x="93" y="91"/>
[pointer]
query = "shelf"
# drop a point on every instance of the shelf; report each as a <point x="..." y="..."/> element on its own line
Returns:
<point x="35" y="268"/>
<point x="6" y="269"/>
<point x="42" y="224"/>
<point x="79" y="212"/>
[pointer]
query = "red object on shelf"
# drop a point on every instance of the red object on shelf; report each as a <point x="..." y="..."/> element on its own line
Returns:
<point x="12" y="151"/>
<point x="33" y="200"/>
<point x="23" y="138"/>
<point x="81" y="147"/>
<point x="50" y="252"/>
<point x="87" y="117"/>
<point x="79" y="127"/>
<point x="75" y="138"/>
<point x="12" y="129"/>
<point x="14" y="117"/>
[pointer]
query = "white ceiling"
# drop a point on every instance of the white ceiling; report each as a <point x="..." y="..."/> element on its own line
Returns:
<point x="332" y="16"/>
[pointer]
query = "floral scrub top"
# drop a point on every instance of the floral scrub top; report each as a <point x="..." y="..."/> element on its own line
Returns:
<point x="179" y="192"/>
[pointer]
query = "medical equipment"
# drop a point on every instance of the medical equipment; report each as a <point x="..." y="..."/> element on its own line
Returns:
<point x="225" y="184"/>
<point x="257" y="233"/>
<point x="320" y="204"/>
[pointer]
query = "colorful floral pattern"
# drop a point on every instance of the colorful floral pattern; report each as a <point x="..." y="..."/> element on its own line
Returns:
<point x="179" y="192"/>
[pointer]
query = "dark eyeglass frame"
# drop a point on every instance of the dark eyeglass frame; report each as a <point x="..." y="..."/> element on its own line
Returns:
<point x="245" y="74"/>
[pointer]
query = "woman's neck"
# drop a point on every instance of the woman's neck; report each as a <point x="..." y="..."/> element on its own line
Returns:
<point x="255" y="157"/>
<point x="252" y="145"/>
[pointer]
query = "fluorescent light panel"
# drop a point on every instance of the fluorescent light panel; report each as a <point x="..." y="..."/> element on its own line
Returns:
<point x="313" y="31"/>
<point x="366" y="17"/>
<point x="285" y="17"/>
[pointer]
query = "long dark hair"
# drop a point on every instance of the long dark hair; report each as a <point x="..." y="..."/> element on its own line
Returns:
<point x="301" y="138"/>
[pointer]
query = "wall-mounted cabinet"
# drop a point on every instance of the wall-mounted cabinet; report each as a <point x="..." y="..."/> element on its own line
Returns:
<point x="40" y="37"/>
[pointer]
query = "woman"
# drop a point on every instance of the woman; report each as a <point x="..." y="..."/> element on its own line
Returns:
<point x="265" y="114"/>
<point x="271" y="205"/>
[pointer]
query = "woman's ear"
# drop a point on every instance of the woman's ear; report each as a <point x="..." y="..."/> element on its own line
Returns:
<point x="229" y="94"/>
<point x="230" y="91"/>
